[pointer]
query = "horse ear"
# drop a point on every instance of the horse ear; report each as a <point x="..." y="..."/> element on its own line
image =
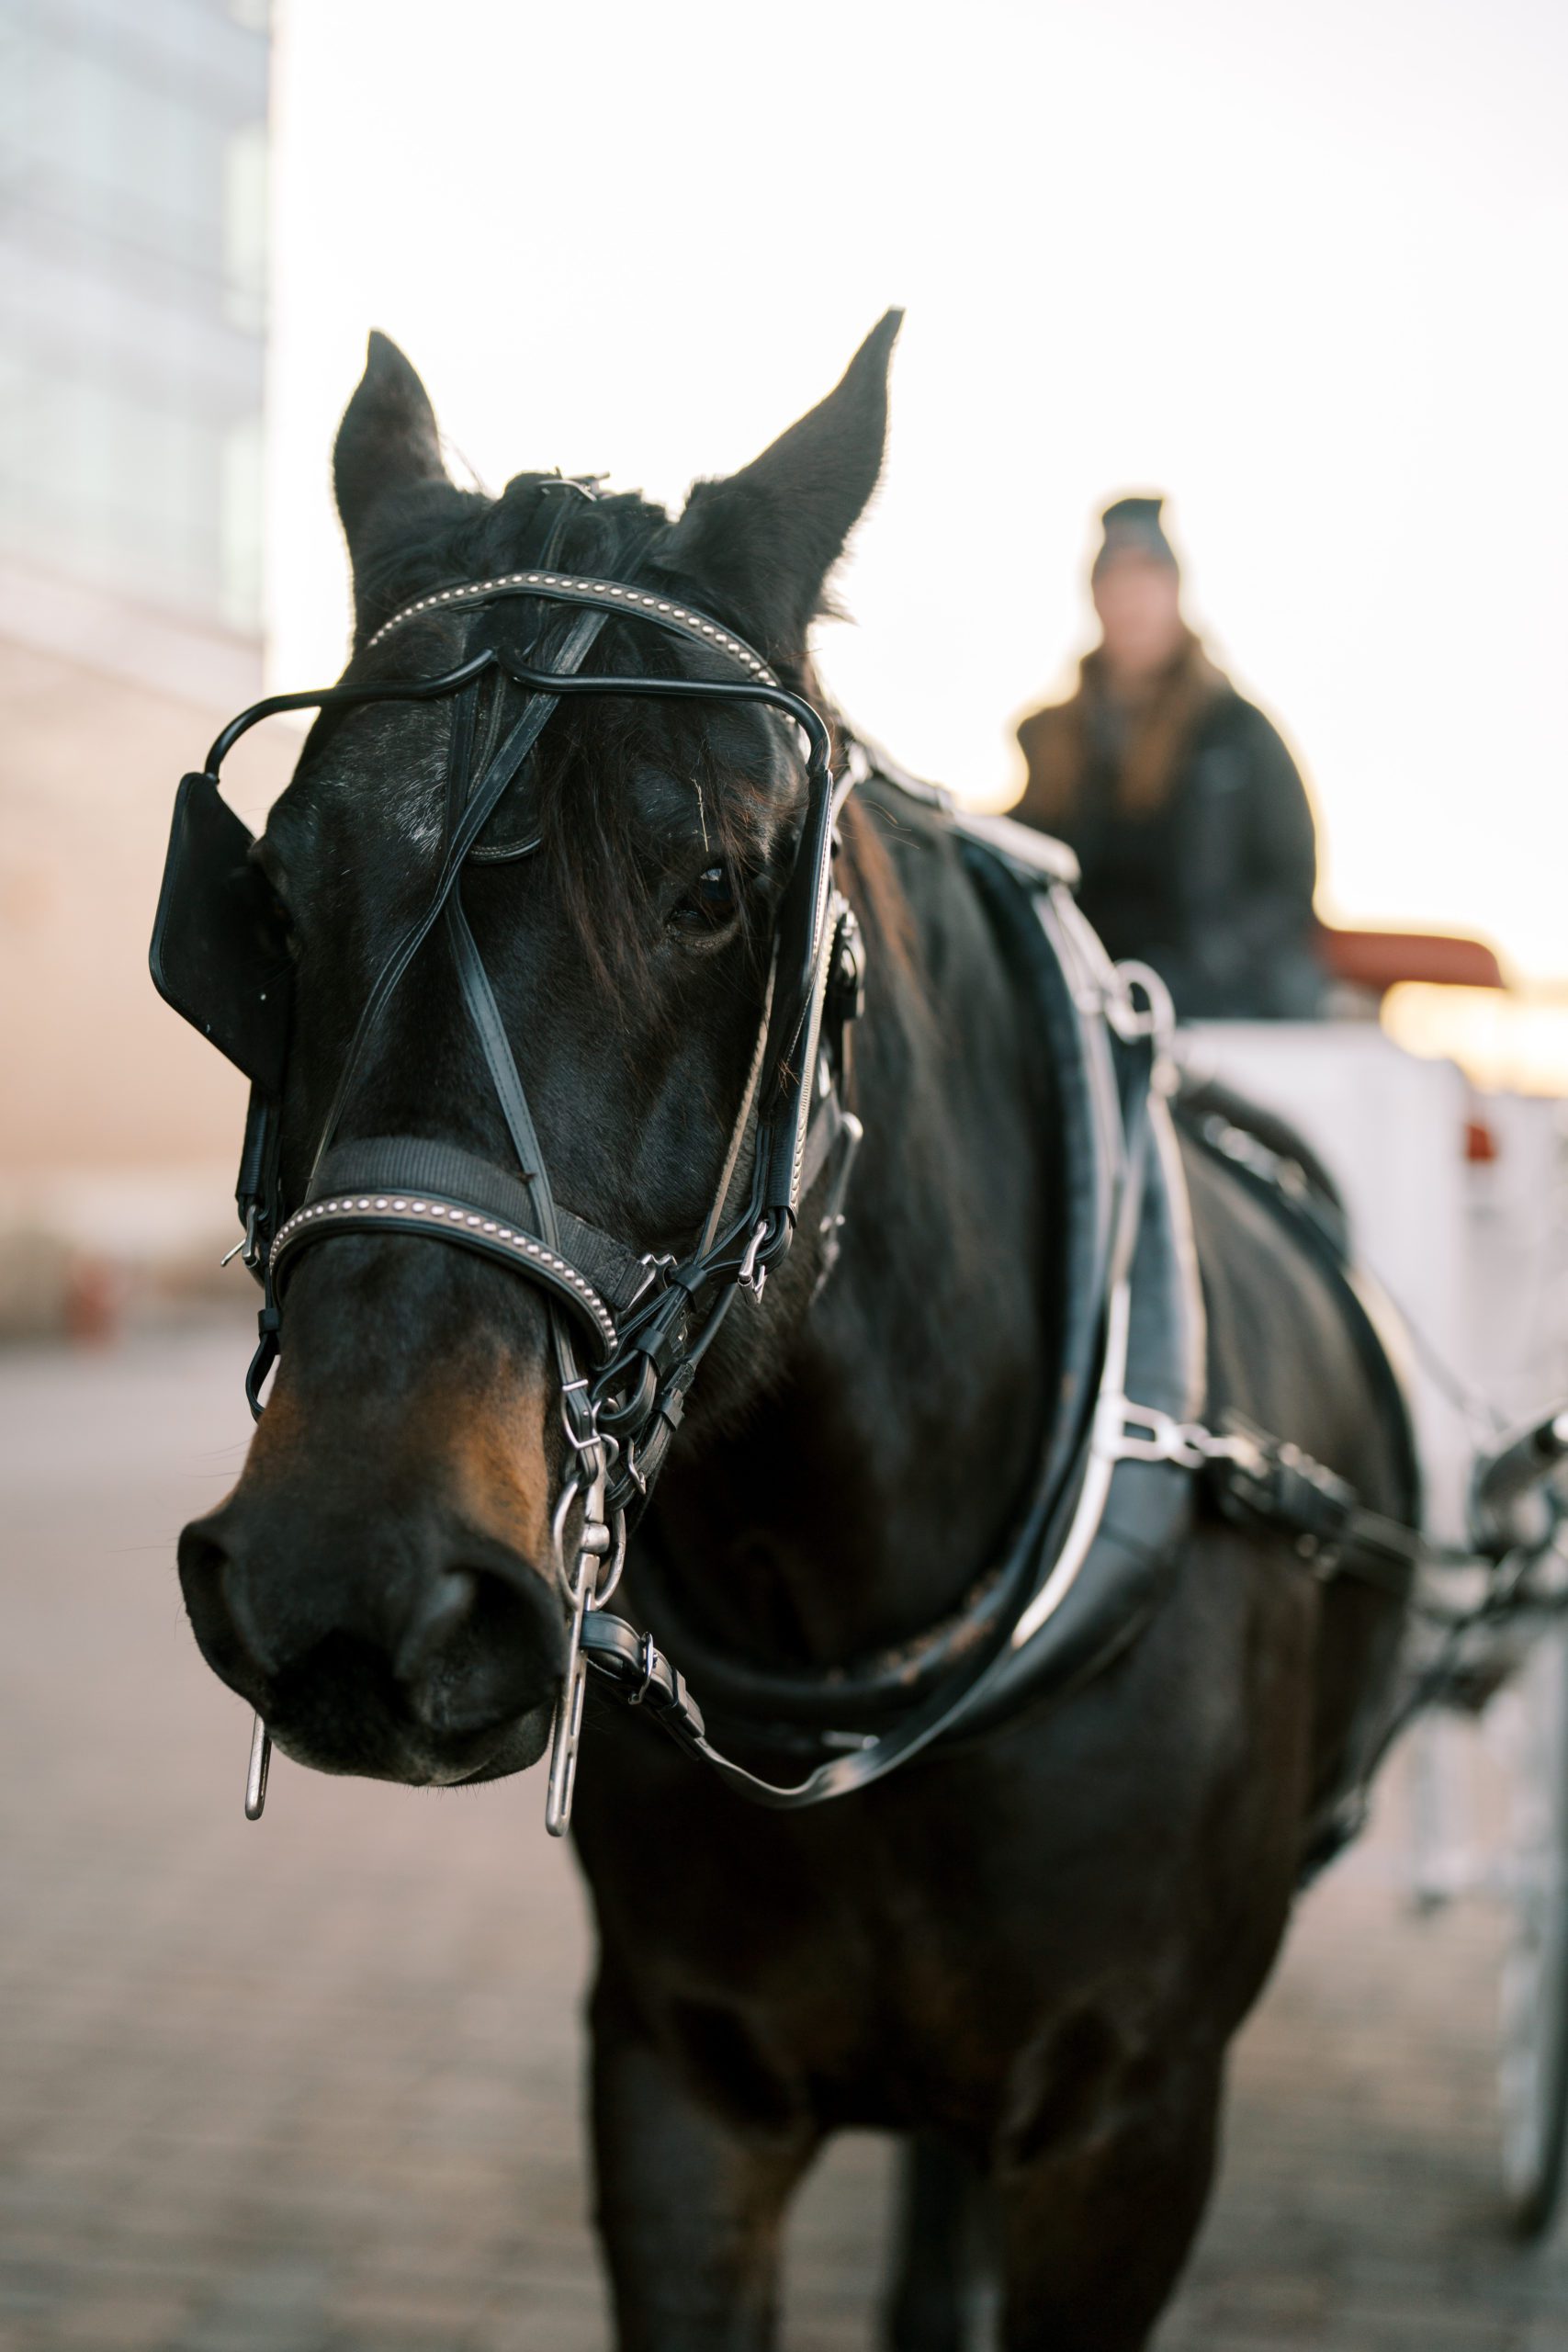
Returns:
<point x="388" y="441"/>
<point x="766" y="539"/>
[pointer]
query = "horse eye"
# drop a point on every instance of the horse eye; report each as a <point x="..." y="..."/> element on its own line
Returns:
<point x="708" y="904"/>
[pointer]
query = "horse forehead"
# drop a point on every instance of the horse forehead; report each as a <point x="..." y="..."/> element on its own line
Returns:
<point x="377" y="789"/>
<point x="381" y="774"/>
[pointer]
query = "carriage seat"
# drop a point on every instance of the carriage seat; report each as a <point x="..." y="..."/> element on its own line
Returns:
<point x="1379" y="960"/>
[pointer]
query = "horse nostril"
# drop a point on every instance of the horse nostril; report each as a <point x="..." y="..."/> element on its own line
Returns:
<point x="436" y="1618"/>
<point x="482" y="1649"/>
<point x="224" y="1634"/>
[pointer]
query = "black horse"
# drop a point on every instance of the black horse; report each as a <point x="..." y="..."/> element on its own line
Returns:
<point x="1027" y="1950"/>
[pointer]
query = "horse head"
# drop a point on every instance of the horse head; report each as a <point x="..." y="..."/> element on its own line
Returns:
<point x="383" y="1583"/>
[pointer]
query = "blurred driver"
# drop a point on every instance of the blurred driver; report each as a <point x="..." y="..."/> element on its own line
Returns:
<point x="1186" y="811"/>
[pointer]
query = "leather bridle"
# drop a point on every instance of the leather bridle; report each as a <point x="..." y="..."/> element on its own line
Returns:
<point x="627" y="1334"/>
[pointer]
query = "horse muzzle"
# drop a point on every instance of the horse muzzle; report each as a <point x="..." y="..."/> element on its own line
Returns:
<point x="419" y="1650"/>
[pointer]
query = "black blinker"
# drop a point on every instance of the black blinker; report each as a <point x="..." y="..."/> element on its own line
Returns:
<point x="219" y="952"/>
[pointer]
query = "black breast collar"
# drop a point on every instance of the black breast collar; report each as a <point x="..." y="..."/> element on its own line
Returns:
<point x="1097" y="1539"/>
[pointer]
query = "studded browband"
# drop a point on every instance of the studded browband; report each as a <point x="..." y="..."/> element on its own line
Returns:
<point x="610" y="595"/>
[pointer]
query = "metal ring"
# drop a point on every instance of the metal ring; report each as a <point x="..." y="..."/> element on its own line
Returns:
<point x="569" y="1493"/>
<point x="1155" y="1018"/>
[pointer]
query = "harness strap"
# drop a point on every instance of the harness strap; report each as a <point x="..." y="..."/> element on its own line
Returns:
<point x="1272" y="1483"/>
<point x="423" y="1211"/>
<point x="502" y="768"/>
<point x="1059" y="1529"/>
<point x="422" y="1164"/>
<point x="742" y="1117"/>
<point x="609" y="596"/>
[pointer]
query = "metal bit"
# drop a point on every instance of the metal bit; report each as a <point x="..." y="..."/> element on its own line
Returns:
<point x="565" y="1732"/>
<point x="256" y="1777"/>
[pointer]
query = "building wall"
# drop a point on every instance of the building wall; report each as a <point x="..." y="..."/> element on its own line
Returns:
<point x="94" y="1070"/>
<point x="133" y="299"/>
<point x="133" y="334"/>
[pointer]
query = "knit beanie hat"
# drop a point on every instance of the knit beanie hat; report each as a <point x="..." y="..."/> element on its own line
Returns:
<point x="1133" y="527"/>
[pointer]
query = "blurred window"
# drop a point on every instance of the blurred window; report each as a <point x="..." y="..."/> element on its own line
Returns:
<point x="133" y="296"/>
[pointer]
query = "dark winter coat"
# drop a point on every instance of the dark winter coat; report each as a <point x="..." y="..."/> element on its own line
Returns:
<point x="1192" y="826"/>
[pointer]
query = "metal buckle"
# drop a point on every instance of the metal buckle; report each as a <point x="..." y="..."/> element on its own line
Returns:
<point x="569" y="1412"/>
<point x="595" y="1448"/>
<point x="649" y="1661"/>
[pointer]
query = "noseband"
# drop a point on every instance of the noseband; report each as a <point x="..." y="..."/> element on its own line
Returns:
<point x="646" y="1325"/>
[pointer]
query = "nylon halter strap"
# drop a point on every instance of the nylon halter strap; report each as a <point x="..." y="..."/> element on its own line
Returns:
<point x="646" y="1326"/>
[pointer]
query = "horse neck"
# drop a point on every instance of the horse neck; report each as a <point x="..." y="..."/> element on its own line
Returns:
<point x="879" y="1480"/>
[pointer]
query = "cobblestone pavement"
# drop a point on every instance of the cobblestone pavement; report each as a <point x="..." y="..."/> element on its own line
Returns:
<point x="313" y="2087"/>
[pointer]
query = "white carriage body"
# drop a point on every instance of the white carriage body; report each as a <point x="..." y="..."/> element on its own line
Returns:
<point x="1459" y="1209"/>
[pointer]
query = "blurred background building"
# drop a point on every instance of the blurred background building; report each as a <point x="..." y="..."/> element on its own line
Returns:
<point x="1361" y="438"/>
<point x="133" y="323"/>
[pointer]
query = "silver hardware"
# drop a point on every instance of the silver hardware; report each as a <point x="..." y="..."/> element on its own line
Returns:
<point x="650" y="1660"/>
<point x="658" y="1264"/>
<point x="1153" y="1018"/>
<point x="594" y="1542"/>
<point x="586" y="485"/>
<point x="595" y="1537"/>
<point x="832" y="1225"/>
<point x="750" y="1275"/>
<point x="255" y="1776"/>
<point x="247" y="1244"/>
<point x="591" y="1444"/>
<point x="565" y="1732"/>
<point x="617" y="1559"/>
<point x="1127" y="1433"/>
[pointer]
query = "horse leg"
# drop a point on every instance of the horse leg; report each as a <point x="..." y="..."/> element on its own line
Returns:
<point x="1098" y="2220"/>
<point x="694" y="2179"/>
<point x="931" y="2289"/>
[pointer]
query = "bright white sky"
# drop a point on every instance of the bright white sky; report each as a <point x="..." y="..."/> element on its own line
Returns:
<point x="1301" y="266"/>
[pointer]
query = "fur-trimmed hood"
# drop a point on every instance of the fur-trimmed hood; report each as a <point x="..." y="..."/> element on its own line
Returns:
<point x="1063" y="741"/>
